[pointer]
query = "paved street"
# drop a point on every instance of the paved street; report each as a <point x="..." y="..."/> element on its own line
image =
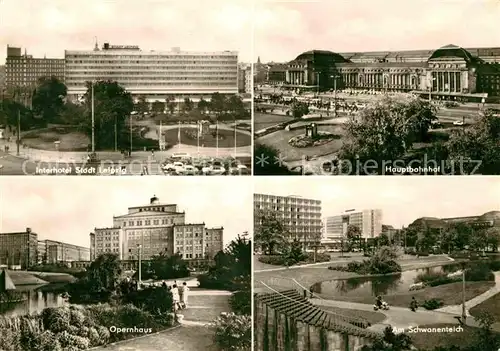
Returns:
<point x="182" y="338"/>
<point x="194" y="333"/>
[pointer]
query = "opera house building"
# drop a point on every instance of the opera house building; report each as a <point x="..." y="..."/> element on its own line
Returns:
<point x="450" y="72"/>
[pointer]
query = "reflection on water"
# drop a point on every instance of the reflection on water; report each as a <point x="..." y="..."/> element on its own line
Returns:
<point x="35" y="300"/>
<point x="381" y="285"/>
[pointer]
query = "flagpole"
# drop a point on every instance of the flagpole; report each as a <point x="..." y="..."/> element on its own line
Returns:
<point x="235" y="139"/>
<point x="217" y="138"/>
<point x="160" y="142"/>
<point x="179" y="136"/>
<point x="198" y="125"/>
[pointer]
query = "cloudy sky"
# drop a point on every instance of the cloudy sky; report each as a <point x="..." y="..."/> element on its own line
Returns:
<point x="402" y="199"/>
<point x="68" y="209"/>
<point x="284" y="29"/>
<point x="48" y="27"/>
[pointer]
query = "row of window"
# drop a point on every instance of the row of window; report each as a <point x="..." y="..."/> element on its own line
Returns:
<point x="152" y="78"/>
<point x="150" y="57"/>
<point x="184" y="84"/>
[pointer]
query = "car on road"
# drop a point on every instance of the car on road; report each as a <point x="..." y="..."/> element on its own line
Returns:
<point x="239" y="170"/>
<point x="188" y="170"/>
<point x="458" y="123"/>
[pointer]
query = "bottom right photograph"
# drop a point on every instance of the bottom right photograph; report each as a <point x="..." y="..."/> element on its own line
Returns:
<point x="376" y="264"/>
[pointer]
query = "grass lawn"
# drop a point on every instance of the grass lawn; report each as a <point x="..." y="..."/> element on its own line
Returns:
<point x="265" y="120"/>
<point x="432" y="340"/>
<point x="492" y="306"/>
<point x="69" y="138"/>
<point x="279" y="140"/>
<point x="226" y="138"/>
<point x="450" y="294"/>
<point x="371" y="316"/>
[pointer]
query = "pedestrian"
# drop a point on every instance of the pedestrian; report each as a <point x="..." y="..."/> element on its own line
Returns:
<point x="181" y="296"/>
<point x="413" y="304"/>
<point x="185" y="295"/>
<point x="175" y="297"/>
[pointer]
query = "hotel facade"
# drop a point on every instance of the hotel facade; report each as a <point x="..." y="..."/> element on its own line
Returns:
<point x="449" y="72"/>
<point x="153" y="229"/>
<point x="153" y="74"/>
<point x="23" y="70"/>
<point x="369" y="222"/>
<point x="300" y="216"/>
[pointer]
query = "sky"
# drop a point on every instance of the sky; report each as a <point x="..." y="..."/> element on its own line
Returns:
<point x="401" y="199"/>
<point x="48" y="27"/>
<point x="68" y="209"/>
<point x="285" y="29"/>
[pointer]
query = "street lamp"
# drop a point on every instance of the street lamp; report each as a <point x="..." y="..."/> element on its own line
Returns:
<point x="139" y="248"/>
<point x="334" y="77"/>
<point x="93" y="117"/>
<point x="464" y="314"/>
<point x="317" y="83"/>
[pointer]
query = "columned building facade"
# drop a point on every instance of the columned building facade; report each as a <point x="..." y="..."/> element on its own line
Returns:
<point x="449" y="72"/>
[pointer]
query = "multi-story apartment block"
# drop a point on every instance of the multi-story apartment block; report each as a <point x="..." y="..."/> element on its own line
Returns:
<point x="369" y="222"/>
<point x="2" y="79"/>
<point x="245" y="78"/>
<point x="23" y="70"/>
<point x="106" y="240"/>
<point x="301" y="217"/>
<point x="155" y="75"/>
<point x="56" y="251"/>
<point x="153" y="229"/>
<point x="19" y="249"/>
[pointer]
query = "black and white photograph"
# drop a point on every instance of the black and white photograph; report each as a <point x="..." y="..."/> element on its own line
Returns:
<point x="382" y="264"/>
<point x="125" y="87"/>
<point x="133" y="264"/>
<point x="381" y="87"/>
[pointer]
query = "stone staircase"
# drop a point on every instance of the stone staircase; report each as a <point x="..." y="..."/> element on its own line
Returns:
<point x="294" y="305"/>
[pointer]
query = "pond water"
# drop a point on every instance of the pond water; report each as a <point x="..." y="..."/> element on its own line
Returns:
<point x="374" y="286"/>
<point x="35" y="301"/>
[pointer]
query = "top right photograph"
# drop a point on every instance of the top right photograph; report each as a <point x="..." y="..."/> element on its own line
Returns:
<point x="380" y="87"/>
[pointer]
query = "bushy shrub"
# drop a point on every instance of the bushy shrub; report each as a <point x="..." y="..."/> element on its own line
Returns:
<point x="432" y="304"/>
<point x="68" y="341"/>
<point x="9" y="340"/>
<point x="233" y="332"/>
<point x="444" y="280"/>
<point x="56" y="319"/>
<point x="429" y="276"/>
<point x="274" y="260"/>
<point x="77" y="318"/>
<point x="157" y="300"/>
<point x="47" y="341"/>
<point x="479" y="272"/>
<point x="422" y="253"/>
<point x="130" y="316"/>
<point x="94" y="337"/>
<point x="495" y="265"/>
<point x="241" y="302"/>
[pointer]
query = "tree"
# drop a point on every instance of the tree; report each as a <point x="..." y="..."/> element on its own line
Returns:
<point x="188" y="104"/>
<point x="48" y="99"/>
<point x="236" y="106"/>
<point x="158" y="106"/>
<point x="266" y="161"/>
<point x="171" y="104"/>
<point x="218" y="103"/>
<point x="299" y="109"/>
<point x="383" y="239"/>
<point x="203" y="105"/>
<point x="164" y="266"/>
<point x="142" y="105"/>
<point x="270" y="232"/>
<point x="479" y="142"/>
<point x="72" y="114"/>
<point x="112" y="106"/>
<point x="353" y="236"/>
<point x="386" y="129"/>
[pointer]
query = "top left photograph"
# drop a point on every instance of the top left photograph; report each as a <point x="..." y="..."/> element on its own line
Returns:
<point x="125" y="87"/>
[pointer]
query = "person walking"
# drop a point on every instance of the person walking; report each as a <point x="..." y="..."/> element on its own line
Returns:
<point x="185" y="294"/>
<point x="175" y="297"/>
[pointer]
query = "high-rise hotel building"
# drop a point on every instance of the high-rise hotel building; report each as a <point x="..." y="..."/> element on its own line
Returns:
<point x="154" y="74"/>
<point x="153" y="229"/>
<point x="23" y="70"/>
<point x="369" y="222"/>
<point x="301" y="217"/>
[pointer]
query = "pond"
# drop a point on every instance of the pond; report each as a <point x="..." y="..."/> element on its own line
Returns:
<point x="35" y="300"/>
<point x="379" y="285"/>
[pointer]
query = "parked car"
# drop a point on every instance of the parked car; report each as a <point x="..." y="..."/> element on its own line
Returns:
<point x="188" y="170"/>
<point x="458" y="123"/>
<point x="239" y="169"/>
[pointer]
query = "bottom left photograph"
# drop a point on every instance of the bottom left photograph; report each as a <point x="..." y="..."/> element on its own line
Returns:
<point x="125" y="264"/>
